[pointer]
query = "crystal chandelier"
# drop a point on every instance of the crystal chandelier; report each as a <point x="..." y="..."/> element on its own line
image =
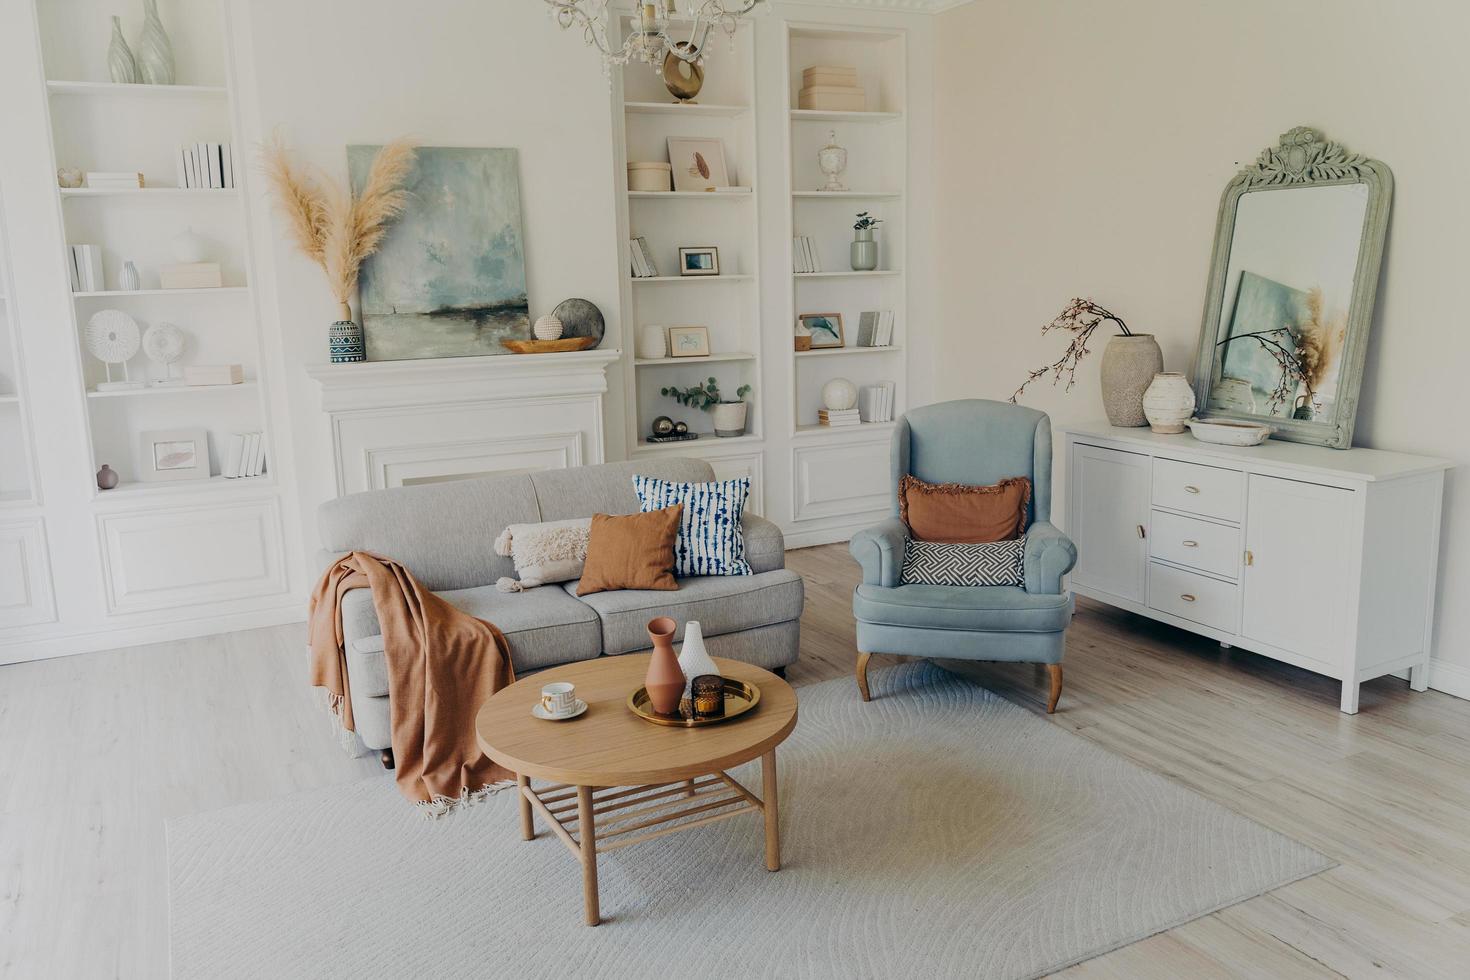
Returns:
<point x="652" y="39"/>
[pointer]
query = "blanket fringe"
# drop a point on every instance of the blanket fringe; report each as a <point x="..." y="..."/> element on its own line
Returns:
<point x="440" y="806"/>
<point x="332" y="705"/>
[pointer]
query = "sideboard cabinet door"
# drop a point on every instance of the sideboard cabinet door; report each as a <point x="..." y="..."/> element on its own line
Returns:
<point x="1108" y="515"/>
<point x="1298" y="577"/>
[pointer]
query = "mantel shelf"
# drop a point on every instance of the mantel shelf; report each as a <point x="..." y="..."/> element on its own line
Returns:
<point x="685" y="108"/>
<point x="707" y="280"/>
<point x="134" y="90"/>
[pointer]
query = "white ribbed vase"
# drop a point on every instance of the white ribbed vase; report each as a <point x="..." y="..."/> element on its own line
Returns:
<point x="121" y="67"/>
<point x="694" y="659"/>
<point x="155" y="53"/>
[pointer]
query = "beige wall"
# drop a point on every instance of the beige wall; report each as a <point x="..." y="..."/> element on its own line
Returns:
<point x="1082" y="151"/>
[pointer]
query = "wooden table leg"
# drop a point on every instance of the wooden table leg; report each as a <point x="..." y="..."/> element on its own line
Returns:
<point x="772" y="811"/>
<point x="587" y="832"/>
<point x="528" y="823"/>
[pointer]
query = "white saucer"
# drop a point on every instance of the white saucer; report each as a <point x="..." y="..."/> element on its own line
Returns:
<point x="544" y="715"/>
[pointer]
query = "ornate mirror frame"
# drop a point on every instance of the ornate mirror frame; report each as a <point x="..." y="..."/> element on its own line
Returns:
<point x="1303" y="159"/>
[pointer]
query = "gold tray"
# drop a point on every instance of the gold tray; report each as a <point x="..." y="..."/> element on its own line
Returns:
<point x="740" y="697"/>
<point x="549" y="346"/>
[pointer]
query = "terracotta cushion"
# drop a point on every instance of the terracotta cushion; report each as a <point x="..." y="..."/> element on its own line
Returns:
<point x="960" y="514"/>
<point x="631" y="552"/>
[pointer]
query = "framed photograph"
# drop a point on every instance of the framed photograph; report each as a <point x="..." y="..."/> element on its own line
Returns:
<point x="825" y="328"/>
<point x="699" y="260"/>
<point x="689" y="342"/>
<point x="173" y="454"/>
<point x="698" y="162"/>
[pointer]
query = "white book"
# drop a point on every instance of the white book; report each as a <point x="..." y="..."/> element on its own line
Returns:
<point x="260" y="455"/>
<point x="201" y="161"/>
<point x="180" y="178"/>
<point x="796" y="254"/>
<point x="229" y="463"/>
<point x="211" y="151"/>
<point x="816" y="256"/>
<point x="647" y="256"/>
<point x="247" y="454"/>
<point x="809" y="252"/>
<point x="227" y="164"/>
<point x="635" y="263"/>
<point x="71" y="268"/>
<point x="89" y="268"/>
<point x="805" y="253"/>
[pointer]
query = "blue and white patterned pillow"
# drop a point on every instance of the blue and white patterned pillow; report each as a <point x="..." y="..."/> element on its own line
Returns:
<point x="710" y="539"/>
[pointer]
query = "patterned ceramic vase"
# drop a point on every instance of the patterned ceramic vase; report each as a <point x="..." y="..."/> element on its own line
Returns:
<point x="121" y="67"/>
<point x="345" y="342"/>
<point x="863" y="251"/>
<point x="1129" y="364"/>
<point x="155" y="53"/>
<point x="664" y="680"/>
<point x="1168" y="402"/>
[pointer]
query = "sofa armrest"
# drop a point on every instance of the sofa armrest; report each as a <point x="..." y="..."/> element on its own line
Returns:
<point x="879" y="549"/>
<point x="765" y="545"/>
<point x="1050" y="554"/>
<point x="359" y="618"/>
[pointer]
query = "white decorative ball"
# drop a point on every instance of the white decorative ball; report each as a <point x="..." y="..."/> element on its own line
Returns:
<point x="548" y="328"/>
<point x="839" y="394"/>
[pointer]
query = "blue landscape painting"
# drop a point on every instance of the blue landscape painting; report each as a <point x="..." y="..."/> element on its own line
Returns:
<point x="1262" y="305"/>
<point x="450" y="277"/>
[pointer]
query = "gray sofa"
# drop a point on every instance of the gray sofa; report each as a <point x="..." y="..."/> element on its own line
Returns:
<point x="444" y="533"/>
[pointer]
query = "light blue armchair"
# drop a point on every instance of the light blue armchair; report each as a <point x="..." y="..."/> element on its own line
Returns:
<point x="974" y="442"/>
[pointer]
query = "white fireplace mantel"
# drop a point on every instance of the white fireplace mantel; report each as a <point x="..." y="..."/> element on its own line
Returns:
<point x="399" y="422"/>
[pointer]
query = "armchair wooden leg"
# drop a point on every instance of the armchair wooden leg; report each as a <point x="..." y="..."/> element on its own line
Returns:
<point x="862" y="675"/>
<point x="386" y="758"/>
<point x="1055" y="670"/>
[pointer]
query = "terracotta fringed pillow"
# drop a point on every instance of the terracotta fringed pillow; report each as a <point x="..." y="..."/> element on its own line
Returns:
<point x="957" y="513"/>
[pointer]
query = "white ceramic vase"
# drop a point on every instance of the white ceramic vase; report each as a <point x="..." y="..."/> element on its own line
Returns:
<point x="127" y="277"/>
<point x="1168" y="403"/>
<point x="653" y="343"/>
<point x="694" y="660"/>
<point x="155" y="53"/>
<point x="122" y="68"/>
<point x="729" y="418"/>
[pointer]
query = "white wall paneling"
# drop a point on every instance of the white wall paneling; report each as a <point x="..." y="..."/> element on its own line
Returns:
<point x="1322" y="558"/>
<point x="841" y="480"/>
<point x="26" y="597"/>
<point x="748" y="465"/>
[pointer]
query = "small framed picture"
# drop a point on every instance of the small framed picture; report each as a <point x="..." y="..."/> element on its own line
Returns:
<point x="698" y="162"/>
<point x="689" y="342"/>
<point x="699" y="260"/>
<point x="174" y="454"/>
<point x="825" y="328"/>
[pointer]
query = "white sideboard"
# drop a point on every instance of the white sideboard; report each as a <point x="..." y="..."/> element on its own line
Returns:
<point x="1321" y="558"/>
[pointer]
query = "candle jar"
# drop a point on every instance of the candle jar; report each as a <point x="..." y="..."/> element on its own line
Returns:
<point x="708" y="696"/>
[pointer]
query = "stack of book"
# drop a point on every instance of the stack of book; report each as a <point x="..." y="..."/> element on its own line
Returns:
<point x="875" y="402"/>
<point x="804" y="256"/>
<point x="84" y="262"/>
<point x="875" y="329"/>
<point x="834" y="88"/>
<point x="105" y="180"/>
<point x="244" y="455"/>
<point x="641" y="259"/>
<point x="837" y="419"/>
<point x="205" y="166"/>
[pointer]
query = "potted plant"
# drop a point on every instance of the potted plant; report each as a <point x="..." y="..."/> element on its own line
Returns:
<point x="728" y="416"/>
<point x="864" y="250"/>
<point x="1129" y="362"/>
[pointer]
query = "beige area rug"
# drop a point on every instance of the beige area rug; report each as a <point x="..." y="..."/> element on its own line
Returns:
<point x="938" y="831"/>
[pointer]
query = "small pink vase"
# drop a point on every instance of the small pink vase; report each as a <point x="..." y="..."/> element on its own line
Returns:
<point x="664" y="681"/>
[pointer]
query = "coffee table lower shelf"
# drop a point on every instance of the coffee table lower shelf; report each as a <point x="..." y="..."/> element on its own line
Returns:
<point x="594" y="820"/>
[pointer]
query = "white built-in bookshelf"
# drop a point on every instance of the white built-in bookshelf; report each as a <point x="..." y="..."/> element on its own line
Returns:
<point x="15" y="470"/>
<point x="728" y="305"/>
<point x="99" y="125"/>
<point x="876" y="141"/>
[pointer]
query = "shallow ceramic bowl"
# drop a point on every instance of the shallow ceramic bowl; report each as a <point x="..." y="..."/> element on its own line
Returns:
<point x="1227" y="432"/>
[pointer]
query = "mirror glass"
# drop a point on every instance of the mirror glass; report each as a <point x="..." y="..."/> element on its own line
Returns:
<point x="1284" y="313"/>
<point x="1298" y="245"/>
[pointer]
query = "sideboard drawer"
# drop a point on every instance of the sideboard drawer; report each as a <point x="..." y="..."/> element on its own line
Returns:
<point x="1196" y="598"/>
<point x="1210" y="547"/>
<point x="1206" y="490"/>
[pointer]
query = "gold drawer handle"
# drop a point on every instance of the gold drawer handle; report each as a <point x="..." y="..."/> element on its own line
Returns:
<point x="1141" y="532"/>
<point x="1191" y="544"/>
<point x="1187" y="597"/>
<point x="1190" y="489"/>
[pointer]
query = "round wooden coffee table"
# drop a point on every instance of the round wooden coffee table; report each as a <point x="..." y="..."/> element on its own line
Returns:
<point x="673" y="778"/>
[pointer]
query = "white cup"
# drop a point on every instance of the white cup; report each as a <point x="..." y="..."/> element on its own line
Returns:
<point x="558" y="698"/>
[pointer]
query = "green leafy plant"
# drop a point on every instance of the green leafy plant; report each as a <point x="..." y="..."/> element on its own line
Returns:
<point x="704" y="396"/>
<point x="866" y="221"/>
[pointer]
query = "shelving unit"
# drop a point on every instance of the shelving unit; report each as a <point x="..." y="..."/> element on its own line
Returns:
<point x="15" y="469"/>
<point x="645" y="117"/>
<point x="96" y="124"/>
<point x="876" y="143"/>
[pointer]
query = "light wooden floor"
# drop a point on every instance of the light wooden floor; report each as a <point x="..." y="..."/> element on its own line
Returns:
<point x="97" y="751"/>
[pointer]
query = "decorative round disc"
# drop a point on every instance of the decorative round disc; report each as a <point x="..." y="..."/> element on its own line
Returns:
<point x="580" y="318"/>
<point x="111" y="336"/>
<point x="163" y="343"/>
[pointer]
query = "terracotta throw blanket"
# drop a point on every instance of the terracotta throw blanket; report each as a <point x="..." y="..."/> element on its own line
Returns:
<point x="442" y="666"/>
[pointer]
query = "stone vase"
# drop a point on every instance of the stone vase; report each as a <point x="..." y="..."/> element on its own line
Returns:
<point x="1129" y="364"/>
<point x="664" y="680"/>
<point x="155" y="53"/>
<point x="1168" y="403"/>
<point x="121" y="67"/>
<point x="863" y="252"/>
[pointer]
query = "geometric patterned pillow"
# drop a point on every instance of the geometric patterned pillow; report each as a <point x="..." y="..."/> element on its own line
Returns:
<point x="711" y="541"/>
<point x="936" y="563"/>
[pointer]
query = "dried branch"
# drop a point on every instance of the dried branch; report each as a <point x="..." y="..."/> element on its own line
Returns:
<point x="1081" y="317"/>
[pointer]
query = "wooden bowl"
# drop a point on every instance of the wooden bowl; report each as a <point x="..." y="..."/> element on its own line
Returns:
<point x="549" y="346"/>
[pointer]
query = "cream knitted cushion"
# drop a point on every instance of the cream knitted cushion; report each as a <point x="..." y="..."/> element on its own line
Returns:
<point x="543" y="553"/>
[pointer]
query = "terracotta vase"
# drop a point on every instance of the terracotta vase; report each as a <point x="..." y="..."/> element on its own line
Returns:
<point x="664" y="681"/>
